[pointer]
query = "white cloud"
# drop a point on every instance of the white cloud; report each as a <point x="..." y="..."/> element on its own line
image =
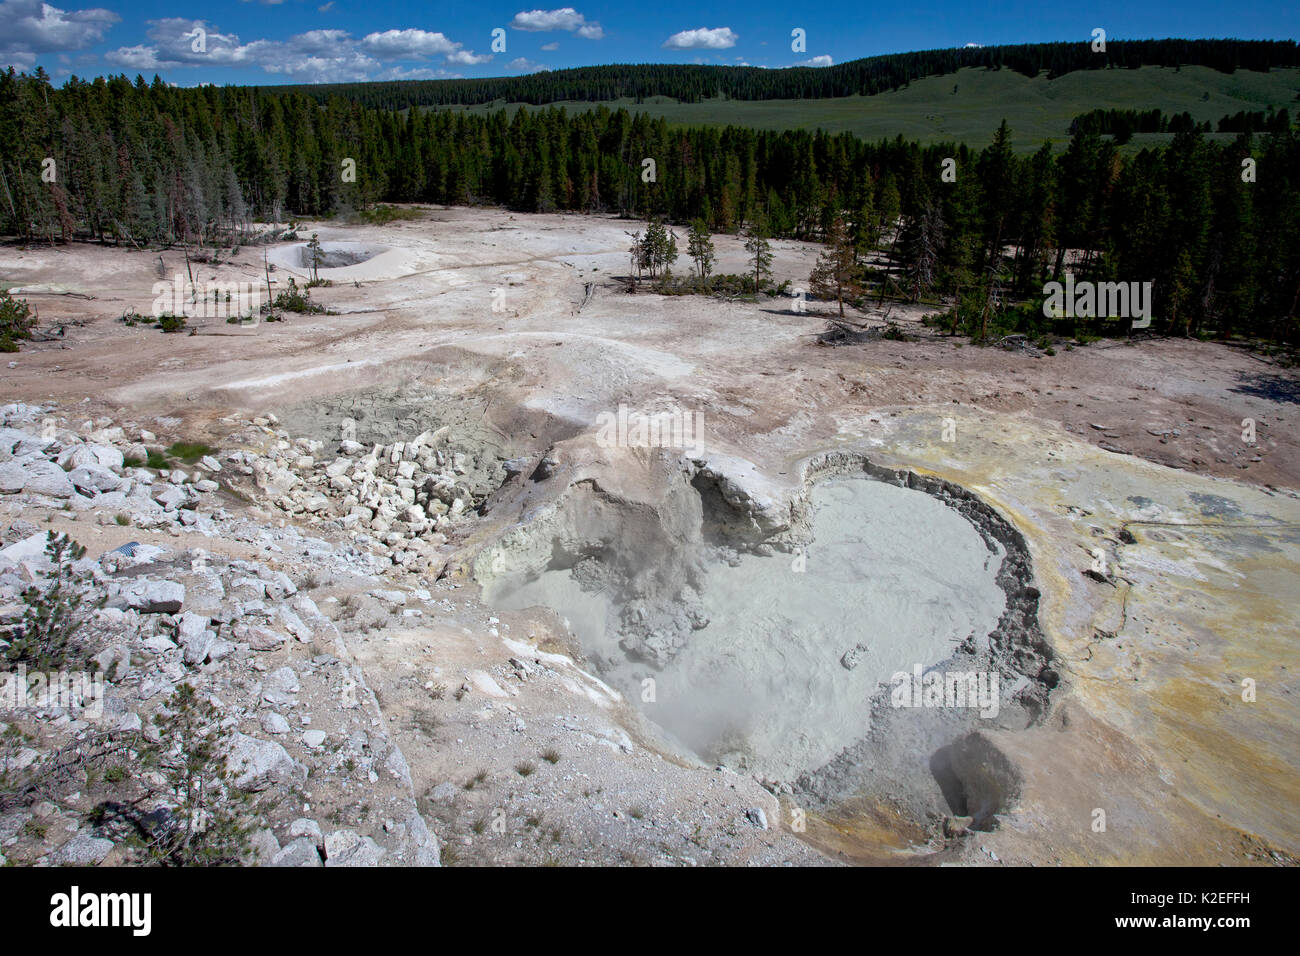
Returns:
<point x="321" y="42"/>
<point x="525" y="65"/>
<point x="717" y="38"/>
<point x="551" y="47"/>
<point x="468" y="57"/>
<point x="325" y="7"/>
<point x="974" y="45"/>
<point x="172" y="42"/>
<point x="409" y="44"/>
<point x="565" y="18"/>
<point x="134" y="57"/>
<point x="418" y="73"/>
<point x="348" y="68"/>
<point x="29" y="27"/>
<point x="823" y="60"/>
<point x="316" y="56"/>
<point x="23" y="62"/>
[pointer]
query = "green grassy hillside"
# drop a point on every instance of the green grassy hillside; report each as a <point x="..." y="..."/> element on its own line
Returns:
<point x="929" y="110"/>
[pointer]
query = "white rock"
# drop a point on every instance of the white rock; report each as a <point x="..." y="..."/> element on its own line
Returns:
<point x="91" y="479"/>
<point x="307" y="828"/>
<point x="349" y="848"/>
<point x="46" y="478"/>
<point x="82" y="850"/>
<point x="274" y="723"/>
<point x="150" y="596"/>
<point x="301" y="852"/>
<point x="169" y="496"/>
<point x="258" y="637"/>
<point x="260" y="764"/>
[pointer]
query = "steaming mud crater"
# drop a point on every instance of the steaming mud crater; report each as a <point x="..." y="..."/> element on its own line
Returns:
<point x="788" y="649"/>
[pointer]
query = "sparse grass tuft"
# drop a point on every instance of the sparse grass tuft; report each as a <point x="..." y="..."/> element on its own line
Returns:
<point x="525" y="769"/>
<point x="35" y="829"/>
<point x="551" y="755"/>
<point x="189" y="451"/>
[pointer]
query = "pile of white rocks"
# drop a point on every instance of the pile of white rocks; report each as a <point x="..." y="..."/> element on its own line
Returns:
<point x="408" y="495"/>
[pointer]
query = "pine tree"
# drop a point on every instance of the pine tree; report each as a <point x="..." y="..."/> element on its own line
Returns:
<point x="760" y="251"/>
<point x="314" y="257"/>
<point x="837" y="273"/>
<point x="46" y="638"/>
<point x="209" y="824"/>
<point x="699" y="246"/>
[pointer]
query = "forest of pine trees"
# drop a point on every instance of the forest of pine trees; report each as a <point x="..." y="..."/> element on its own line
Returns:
<point x="148" y="163"/>
<point x="694" y="82"/>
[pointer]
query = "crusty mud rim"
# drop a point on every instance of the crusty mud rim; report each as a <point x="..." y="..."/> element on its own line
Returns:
<point x="1017" y="642"/>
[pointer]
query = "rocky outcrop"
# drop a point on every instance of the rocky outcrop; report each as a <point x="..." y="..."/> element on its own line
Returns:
<point x="292" y="706"/>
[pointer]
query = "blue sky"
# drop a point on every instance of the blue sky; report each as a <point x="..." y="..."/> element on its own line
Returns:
<point x="309" y="41"/>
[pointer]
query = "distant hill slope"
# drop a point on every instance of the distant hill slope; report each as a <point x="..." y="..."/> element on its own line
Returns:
<point x="1037" y="109"/>
<point x="690" y="83"/>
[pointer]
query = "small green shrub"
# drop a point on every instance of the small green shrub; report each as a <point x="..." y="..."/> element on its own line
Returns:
<point x="45" y="640"/>
<point x="16" y="322"/>
<point x="294" y="299"/>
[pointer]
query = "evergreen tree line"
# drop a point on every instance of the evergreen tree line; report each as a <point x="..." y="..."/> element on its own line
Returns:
<point x="694" y="82"/>
<point x="1122" y="124"/>
<point x="150" y="163"/>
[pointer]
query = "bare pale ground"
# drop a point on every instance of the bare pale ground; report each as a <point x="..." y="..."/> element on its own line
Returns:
<point x="1132" y="448"/>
